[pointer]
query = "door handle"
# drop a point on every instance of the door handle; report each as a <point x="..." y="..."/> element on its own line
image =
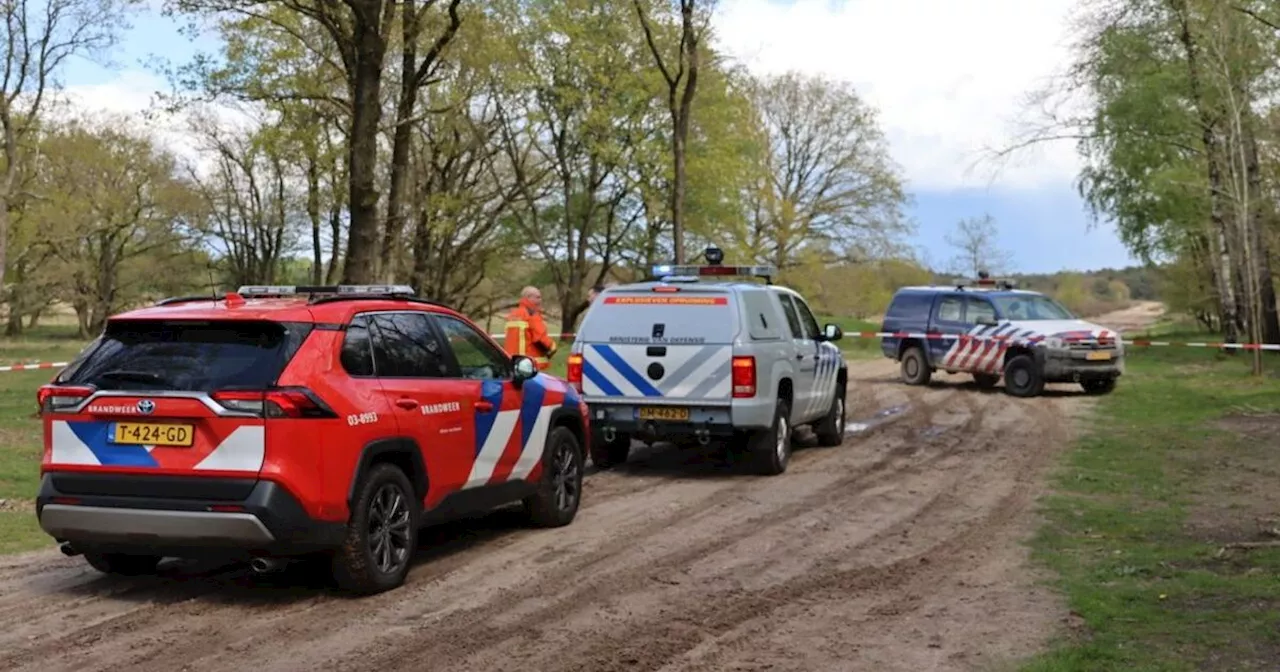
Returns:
<point x="484" y="406"/>
<point x="406" y="403"/>
<point x="800" y="355"/>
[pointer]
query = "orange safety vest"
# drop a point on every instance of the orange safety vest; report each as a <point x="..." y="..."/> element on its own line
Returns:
<point x="526" y="334"/>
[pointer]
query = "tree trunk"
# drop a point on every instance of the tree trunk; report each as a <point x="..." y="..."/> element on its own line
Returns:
<point x="401" y="140"/>
<point x="313" y="213"/>
<point x="1268" y="329"/>
<point x="360" y="265"/>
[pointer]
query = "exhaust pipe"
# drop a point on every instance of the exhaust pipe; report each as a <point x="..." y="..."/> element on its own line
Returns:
<point x="67" y="549"/>
<point x="265" y="565"/>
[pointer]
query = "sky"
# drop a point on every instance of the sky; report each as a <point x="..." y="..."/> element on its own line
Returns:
<point x="948" y="78"/>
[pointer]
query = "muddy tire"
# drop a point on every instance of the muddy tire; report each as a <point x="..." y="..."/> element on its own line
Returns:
<point x="1022" y="377"/>
<point x="986" y="381"/>
<point x="1099" y="386"/>
<point x="609" y="454"/>
<point x="915" y="366"/>
<point x="830" y="429"/>
<point x="770" y="449"/>
<point x="560" y="489"/>
<point x="123" y="564"/>
<point x="382" y="534"/>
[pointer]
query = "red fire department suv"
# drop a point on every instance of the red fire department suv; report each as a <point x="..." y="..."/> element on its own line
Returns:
<point x="286" y="421"/>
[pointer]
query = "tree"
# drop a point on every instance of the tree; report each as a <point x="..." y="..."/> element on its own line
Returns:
<point x="38" y="40"/>
<point x="975" y="239"/>
<point x="681" y="77"/>
<point x="360" y="32"/>
<point x="826" y="180"/>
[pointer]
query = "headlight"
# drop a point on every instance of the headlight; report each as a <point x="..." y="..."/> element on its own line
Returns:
<point x="1054" y="343"/>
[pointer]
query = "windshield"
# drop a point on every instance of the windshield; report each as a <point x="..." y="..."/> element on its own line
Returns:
<point x="204" y="356"/>
<point x="1031" y="307"/>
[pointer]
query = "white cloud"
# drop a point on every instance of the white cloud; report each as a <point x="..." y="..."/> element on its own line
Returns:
<point x="948" y="76"/>
<point x="130" y="99"/>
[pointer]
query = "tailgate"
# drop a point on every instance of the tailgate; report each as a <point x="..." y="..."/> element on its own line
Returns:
<point x="675" y="373"/>
<point x="169" y="397"/>
<point x="673" y="345"/>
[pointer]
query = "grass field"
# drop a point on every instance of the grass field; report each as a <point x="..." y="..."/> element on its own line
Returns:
<point x="1180" y="464"/>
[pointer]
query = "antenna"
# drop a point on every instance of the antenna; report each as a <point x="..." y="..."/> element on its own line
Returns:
<point x="213" y="285"/>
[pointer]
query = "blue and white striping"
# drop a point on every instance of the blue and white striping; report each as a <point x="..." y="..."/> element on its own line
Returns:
<point x="824" y="381"/>
<point x="687" y="371"/>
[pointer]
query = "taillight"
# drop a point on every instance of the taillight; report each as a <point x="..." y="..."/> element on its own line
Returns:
<point x="744" y="377"/>
<point x="574" y="370"/>
<point x="285" y="402"/>
<point x="60" y="398"/>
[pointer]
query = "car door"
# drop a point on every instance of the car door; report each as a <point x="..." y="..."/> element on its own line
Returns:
<point x="947" y="320"/>
<point x="806" y="358"/>
<point x="985" y="353"/>
<point x="411" y="361"/>
<point x="510" y="421"/>
<point x="826" y="357"/>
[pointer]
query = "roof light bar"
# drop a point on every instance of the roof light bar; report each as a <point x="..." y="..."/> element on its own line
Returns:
<point x="716" y="270"/>
<point x="985" y="283"/>
<point x="259" y="291"/>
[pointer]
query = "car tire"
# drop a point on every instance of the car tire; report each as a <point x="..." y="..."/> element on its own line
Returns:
<point x="1022" y="377"/>
<point x="915" y="366"/>
<point x="560" y="488"/>
<point x="123" y="564"/>
<point x="609" y="454"/>
<point x="830" y="430"/>
<point x="986" y="381"/>
<point x="770" y="449"/>
<point x="382" y="534"/>
<point x="1099" y="386"/>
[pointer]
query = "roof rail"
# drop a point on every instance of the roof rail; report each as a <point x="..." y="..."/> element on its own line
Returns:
<point x="187" y="299"/>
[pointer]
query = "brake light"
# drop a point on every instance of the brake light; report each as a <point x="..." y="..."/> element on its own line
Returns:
<point x="744" y="377"/>
<point x="666" y="289"/>
<point x="574" y="370"/>
<point x="58" y="397"/>
<point x="286" y="402"/>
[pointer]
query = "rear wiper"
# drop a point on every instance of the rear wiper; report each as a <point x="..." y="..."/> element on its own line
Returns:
<point x="140" y="376"/>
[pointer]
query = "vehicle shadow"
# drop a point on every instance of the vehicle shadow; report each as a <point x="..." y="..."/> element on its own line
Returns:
<point x="717" y="459"/>
<point x="307" y="578"/>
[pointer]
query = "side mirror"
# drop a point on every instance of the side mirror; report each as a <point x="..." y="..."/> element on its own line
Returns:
<point x="832" y="332"/>
<point x="524" y="368"/>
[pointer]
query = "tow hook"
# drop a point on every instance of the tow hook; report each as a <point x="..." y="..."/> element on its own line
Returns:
<point x="704" y="436"/>
<point x="262" y="565"/>
<point x="609" y="434"/>
<point x="67" y="549"/>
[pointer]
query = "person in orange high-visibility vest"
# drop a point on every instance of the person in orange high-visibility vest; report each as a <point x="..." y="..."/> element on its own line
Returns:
<point x="527" y="332"/>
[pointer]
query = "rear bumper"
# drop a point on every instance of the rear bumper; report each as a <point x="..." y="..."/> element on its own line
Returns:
<point x="716" y="421"/>
<point x="89" y="511"/>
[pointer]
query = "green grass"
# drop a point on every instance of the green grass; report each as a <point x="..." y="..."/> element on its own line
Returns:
<point x="1147" y="582"/>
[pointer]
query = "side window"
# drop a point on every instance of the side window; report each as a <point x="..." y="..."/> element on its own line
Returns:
<point x="406" y="347"/>
<point x="789" y="309"/>
<point x="980" y="309"/>
<point x="951" y="309"/>
<point x="357" y="348"/>
<point x="477" y="358"/>
<point x="806" y="318"/>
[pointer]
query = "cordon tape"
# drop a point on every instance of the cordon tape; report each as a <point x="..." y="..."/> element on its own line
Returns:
<point x="1137" y="342"/>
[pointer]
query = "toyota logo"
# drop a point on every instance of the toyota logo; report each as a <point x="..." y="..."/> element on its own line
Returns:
<point x="146" y="407"/>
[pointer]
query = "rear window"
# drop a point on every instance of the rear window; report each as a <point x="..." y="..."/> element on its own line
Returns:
<point x="187" y="355"/>
<point x="656" y="317"/>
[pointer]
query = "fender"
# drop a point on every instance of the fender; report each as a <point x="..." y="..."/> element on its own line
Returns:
<point x="399" y="446"/>
<point x="574" y="421"/>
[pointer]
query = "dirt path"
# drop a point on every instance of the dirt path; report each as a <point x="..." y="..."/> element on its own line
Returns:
<point x="898" y="550"/>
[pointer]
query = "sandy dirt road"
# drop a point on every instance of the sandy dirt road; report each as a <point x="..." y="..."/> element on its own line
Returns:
<point x="899" y="550"/>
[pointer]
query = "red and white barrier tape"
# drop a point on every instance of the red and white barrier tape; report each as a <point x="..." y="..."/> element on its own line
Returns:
<point x="1138" y="342"/>
<point x="34" y="366"/>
